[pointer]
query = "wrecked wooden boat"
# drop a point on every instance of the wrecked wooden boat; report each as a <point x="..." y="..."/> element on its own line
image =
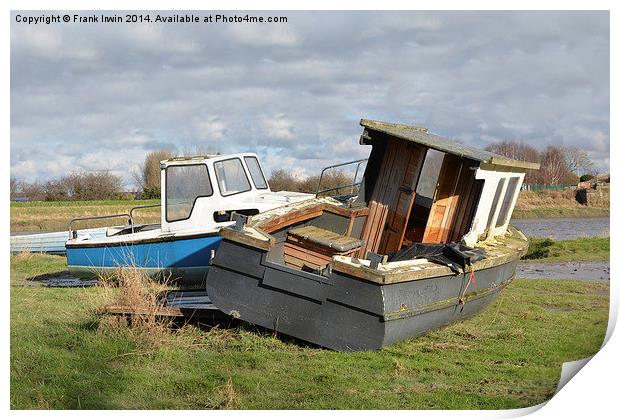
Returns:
<point x="425" y="243"/>
<point x="199" y="194"/>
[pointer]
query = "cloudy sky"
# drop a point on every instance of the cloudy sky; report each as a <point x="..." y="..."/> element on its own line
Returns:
<point x="100" y="96"/>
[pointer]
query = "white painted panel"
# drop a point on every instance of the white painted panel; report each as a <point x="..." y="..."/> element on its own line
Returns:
<point x="480" y="221"/>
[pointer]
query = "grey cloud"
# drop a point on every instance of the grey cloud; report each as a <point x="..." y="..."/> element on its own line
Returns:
<point x="294" y="92"/>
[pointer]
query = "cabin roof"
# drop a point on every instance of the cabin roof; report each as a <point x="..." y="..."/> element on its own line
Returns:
<point x="190" y="160"/>
<point x="421" y="136"/>
<point x="186" y="158"/>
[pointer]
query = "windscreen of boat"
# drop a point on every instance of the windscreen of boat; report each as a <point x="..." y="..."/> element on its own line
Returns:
<point x="256" y="172"/>
<point x="184" y="184"/>
<point x="231" y="177"/>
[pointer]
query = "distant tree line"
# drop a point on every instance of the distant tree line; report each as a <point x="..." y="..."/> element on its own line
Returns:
<point x="558" y="165"/>
<point x="101" y="185"/>
<point x="282" y="180"/>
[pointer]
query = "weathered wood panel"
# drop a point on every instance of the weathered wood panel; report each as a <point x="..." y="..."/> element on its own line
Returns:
<point x="445" y="201"/>
<point x="399" y="170"/>
<point x="398" y="218"/>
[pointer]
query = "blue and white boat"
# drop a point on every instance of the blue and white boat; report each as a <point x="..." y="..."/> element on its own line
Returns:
<point x="199" y="196"/>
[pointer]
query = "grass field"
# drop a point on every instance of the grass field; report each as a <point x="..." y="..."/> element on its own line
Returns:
<point x="581" y="249"/>
<point x="65" y="355"/>
<point x="55" y="215"/>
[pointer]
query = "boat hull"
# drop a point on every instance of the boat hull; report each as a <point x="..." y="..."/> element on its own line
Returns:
<point x="342" y="312"/>
<point x="181" y="260"/>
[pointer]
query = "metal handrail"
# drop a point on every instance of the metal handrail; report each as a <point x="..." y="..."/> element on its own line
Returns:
<point x="358" y="161"/>
<point x="110" y="216"/>
<point x="340" y="187"/>
<point x="138" y="208"/>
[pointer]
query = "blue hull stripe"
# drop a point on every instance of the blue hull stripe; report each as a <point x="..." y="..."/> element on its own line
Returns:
<point x="180" y="253"/>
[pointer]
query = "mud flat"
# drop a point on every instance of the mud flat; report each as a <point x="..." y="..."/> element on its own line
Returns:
<point x="590" y="270"/>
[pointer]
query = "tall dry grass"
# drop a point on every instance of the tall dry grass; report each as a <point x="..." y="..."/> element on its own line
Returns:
<point x="142" y="298"/>
<point x="23" y="257"/>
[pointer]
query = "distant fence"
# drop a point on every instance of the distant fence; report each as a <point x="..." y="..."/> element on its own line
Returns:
<point x="543" y="187"/>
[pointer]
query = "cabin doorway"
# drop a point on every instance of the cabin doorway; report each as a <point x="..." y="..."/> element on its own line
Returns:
<point x="425" y="195"/>
<point x="444" y="202"/>
<point x="455" y="199"/>
<point x="419" y="195"/>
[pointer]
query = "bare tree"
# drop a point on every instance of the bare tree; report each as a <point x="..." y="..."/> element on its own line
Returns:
<point x="331" y="179"/>
<point x="519" y="151"/>
<point x="14" y="187"/>
<point x="148" y="177"/>
<point x="100" y="185"/>
<point x="577" y="161"/>
<point x="56" y="190"/>
<point x="34" y="191"/>
<point x="553" y="167"/>
<point x="282" y="180"/>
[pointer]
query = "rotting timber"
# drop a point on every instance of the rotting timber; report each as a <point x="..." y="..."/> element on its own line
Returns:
<point x="328" y="271"/>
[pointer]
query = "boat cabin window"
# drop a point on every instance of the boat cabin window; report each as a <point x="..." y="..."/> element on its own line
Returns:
<point x="511" y="190"/>
<point x="498" y="193"/>
<point x="256" y="172"/>
<point x="430" y="174"/>
<point x="184" y="184"/>
<point x="231" y="177"/>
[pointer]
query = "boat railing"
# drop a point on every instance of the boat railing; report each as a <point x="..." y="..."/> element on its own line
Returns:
<point x="111" y="216"/>
<point x="73" y="234"/>
<point x="352" y="185"/>
<point x="140" y="208"/>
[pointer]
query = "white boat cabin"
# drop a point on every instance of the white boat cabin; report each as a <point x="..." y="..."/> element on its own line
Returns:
<point x="202" y="191"/>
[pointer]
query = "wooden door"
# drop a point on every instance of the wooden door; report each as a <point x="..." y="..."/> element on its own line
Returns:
<point x="401" y="207"/>
<point x="441" y="215"/>
<point x="397" y="168"/>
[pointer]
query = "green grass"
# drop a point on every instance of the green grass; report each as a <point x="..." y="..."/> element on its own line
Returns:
<point x="64" y="355"/>
<point x="581" y="249"/>
<point x="550" y="212"/>
<point x="28" y="265"/>
<point x="55" y="215"/>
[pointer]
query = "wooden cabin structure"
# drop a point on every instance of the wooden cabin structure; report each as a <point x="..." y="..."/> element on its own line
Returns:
<point x="420" y="187"/>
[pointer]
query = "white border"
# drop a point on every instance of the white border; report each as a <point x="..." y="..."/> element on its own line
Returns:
<point x="592" y="393"/>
